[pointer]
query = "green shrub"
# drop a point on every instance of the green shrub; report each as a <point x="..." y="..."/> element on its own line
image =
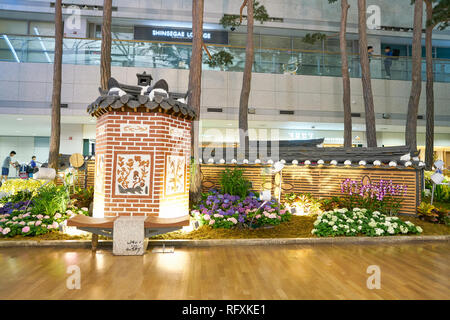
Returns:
<point x="50" y="200"/>
<point x="234" y="183"/>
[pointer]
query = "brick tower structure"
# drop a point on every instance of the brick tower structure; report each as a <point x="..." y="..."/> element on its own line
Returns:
<point x="142" y="156"/>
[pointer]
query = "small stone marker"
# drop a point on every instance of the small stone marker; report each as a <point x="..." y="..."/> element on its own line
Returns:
<point x="128" y="236"/>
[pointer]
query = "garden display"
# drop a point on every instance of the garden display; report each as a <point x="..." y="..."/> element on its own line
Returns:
<point x="228" y="211"/>
<point x="303" y="204"/>
<point x="237" y="206"/>
<point x="430" y="213"/>
<point x="32" y="212"/>
<point x="354" y="222"/>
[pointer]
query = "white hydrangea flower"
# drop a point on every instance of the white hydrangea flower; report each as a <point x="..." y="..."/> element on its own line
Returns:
<point x="313" y="231"/>
<point x="379" y="232"/>
<point x="331" y="223"/>
<point x="316" y="222"/>
<point x="419" y="229"/>
<point x="372" y="224"/>
<point x="356" y="209"/>
<point x="391" y="230"/>
<point x="335" y="228"/>
<point x="359" y="227"/>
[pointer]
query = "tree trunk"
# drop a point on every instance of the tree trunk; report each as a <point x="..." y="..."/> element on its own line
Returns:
<point x="105" y="59"/>
<point x="416" y="85"/>
<point x="429" y="145"/>
<point x="56" y="95"/>
<point x="246" y="84"/>
<point x="371" y="133"/>
<point x="194" y="95"/>
<point x="345" y="77"/>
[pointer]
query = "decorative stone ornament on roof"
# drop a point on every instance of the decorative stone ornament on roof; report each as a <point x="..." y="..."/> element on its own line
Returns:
<point x="127" y="98"/>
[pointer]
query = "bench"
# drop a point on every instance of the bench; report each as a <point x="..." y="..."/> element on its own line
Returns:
<point x="105" y="226"/>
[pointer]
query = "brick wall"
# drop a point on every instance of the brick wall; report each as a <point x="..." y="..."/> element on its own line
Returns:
<point x="142" y="164"/>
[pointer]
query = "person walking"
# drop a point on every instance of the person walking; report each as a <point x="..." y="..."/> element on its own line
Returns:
<point x="370" y="52"/>
<point x="5" y="166"/>
<point x="388" y="61"/>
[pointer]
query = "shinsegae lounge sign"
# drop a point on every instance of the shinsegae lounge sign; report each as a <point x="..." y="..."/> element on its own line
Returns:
<point x="181" y="35"/>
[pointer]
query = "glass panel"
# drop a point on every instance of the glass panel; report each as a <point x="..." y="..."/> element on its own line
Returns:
<point x="177" y="56"/>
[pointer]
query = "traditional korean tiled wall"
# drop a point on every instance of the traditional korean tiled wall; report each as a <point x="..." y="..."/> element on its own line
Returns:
<point x="142" y="165"/>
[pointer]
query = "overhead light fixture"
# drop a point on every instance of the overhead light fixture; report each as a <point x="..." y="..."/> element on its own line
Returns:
<point x="19" y="119"/>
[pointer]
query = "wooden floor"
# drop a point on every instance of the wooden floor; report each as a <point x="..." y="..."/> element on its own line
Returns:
<point x="413" y="271"/>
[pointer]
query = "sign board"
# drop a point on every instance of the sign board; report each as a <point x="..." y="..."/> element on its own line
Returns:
<point x="178" y="35"/>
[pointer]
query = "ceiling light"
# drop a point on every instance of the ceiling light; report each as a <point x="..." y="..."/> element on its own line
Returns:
<point x="19" y="119"/>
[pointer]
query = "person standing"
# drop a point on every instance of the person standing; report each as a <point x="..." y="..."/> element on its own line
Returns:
<point x="5" y="166"/>
<point x="32" y="167"/>
<point x="388" y="61"/>
<point x="370" y="52"/>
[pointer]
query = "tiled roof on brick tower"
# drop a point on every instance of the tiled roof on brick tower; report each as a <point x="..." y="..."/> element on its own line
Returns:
<point x="156" y="98"/>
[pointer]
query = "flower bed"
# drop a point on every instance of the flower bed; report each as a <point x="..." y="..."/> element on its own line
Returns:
<point x="13" y="186"/>
<point x="19" y="219"/>
<point x="229" y="211"/>
<point x="344" y="222"/>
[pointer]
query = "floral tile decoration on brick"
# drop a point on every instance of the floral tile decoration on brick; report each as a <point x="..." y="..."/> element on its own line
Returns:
<point x="175" y="174"/>
<point x="132" y="174"/>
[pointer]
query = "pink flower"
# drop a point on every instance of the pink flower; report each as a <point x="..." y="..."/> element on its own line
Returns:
<point x="282" y="211"/>
<point x="211" y="222"/>
<point x="40" y="216"/>
<point x="46" y="217"/>
<point x="218" y="215"/>
<point x="49" y="226"/>
<point x="272" y="216"/>
<point x="38" y="223"/>
<point x="25" y="229"/>
<point x="6" y="231"/>
<point x="55" y="225"/>
<point x="232" y="220"/>
<point x="26" y="214"/>
<point x="58" y="215"/>
<point x="22" y="223"/>
<point x="258" y="216"/>
<point x="266" y="213"/>
<point x="206" y="217"/>
<point x="1" y="229"/>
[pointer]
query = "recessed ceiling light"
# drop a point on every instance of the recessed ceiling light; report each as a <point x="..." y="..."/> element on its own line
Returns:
<point x="19" y="119"/>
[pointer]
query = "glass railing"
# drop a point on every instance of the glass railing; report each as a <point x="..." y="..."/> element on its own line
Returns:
<point x="147" y="54"/>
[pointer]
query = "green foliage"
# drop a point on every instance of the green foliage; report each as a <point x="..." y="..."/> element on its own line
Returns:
<point x="220" y="59"/>
<point x="331" y="203"/>
<point x="234" y="183"/>
<point x="314" y="37"/>
<point x="233" y="20"/>
<point x="430" y="213"/>
<point x="50" y="200"/>
<point x="82" y="197"/>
